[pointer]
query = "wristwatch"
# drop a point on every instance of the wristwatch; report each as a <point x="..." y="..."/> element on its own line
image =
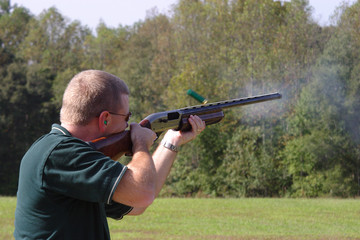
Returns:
<point x="169" y="146"/>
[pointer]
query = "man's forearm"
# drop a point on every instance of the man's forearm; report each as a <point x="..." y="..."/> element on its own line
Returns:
<point x="163" y="160"/>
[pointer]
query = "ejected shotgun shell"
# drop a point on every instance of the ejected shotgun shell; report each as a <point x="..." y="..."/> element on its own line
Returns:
<point x="197" y="96"/>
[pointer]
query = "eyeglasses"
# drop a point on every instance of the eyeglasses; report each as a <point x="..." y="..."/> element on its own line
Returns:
<point x="127" y="116"/>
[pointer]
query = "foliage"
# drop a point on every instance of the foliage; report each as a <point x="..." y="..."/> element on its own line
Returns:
<point x="248" y="170"/>
<point x="306" y="144"/>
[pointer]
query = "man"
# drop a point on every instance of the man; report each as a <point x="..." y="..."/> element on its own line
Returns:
<point x="67" y="189"/>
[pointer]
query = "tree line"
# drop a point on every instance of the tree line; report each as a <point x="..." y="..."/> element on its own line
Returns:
<point x="304" y="145"/>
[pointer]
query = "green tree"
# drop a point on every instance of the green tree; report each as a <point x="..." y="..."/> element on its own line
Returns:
<point x="320" y="155"/>
<point x="145" y="63"/>
<point x="5" y="7"/>
<point x="35" y="51"/>
<point x="239" y="48"/>
<point x="247" y="170"/>
<point x="13" y="95"/>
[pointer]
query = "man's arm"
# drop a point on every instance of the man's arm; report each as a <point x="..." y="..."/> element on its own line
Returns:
<point x="164" y="157"/>
<point x="137" y="187"/>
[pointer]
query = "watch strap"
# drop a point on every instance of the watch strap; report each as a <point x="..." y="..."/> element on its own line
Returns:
<point x="169" y="146"/>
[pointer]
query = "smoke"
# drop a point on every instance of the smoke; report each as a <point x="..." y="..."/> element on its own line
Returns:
<point x="327" y="96"/>
<point x="265" y="110"/>
<point x="338" y="101"/>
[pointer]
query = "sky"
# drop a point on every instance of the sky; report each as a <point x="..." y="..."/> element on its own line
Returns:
<point x="127" y="12"/>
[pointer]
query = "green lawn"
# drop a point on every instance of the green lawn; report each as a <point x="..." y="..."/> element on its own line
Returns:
<point x="255" y="218"/>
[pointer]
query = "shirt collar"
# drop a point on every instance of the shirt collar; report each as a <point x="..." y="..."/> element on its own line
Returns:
<point x="56" y="128"/>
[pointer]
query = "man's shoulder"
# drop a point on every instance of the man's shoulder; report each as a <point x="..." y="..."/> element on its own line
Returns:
<point x="54" y="143"/>
<point x="52" y="140"/>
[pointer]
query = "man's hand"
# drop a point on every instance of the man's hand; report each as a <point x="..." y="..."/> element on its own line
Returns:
<point x="141" y="137"/>
<point x="179" y="138"/>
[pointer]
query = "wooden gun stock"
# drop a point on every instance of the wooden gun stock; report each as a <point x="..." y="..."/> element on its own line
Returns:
<point x="119" y="144"/>
<point x="116" y="145"/>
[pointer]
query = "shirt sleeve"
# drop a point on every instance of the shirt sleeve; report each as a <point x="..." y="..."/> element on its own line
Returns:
<point x="117" y="210"/>
<point x="76" y="170"/>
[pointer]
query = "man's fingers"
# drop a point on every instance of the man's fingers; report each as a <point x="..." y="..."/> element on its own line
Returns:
<point x="198" y="125"/>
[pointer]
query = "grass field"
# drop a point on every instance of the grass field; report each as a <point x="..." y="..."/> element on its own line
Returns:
<point x="231" y="219"/>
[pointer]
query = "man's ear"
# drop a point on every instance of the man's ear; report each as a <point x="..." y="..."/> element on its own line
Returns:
<point x="103" y="121"/>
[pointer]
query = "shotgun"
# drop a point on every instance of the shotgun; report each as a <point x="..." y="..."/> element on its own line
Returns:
<point x="118" y="144"/>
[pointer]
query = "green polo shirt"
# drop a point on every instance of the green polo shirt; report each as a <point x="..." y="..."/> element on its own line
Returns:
<point x="65" y="190"/>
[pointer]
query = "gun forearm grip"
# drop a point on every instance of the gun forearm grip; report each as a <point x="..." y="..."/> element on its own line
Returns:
<point x="209" y="118"/>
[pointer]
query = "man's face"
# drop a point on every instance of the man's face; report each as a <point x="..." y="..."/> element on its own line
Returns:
<point x="118" y="120"/>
